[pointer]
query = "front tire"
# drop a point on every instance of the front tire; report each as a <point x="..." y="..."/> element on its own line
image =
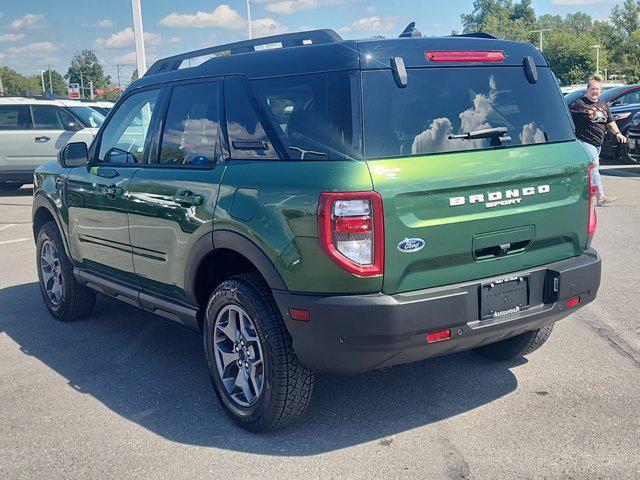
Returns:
<point x="256" y="375"/>
<point x="65" y="298"/>
<point x="516" y="347"/>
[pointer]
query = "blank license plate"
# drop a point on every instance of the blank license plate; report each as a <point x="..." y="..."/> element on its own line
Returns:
<point x="504" y="297"/>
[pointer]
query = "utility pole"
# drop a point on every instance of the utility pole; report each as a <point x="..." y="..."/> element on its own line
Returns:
<point x="541" y="32"/>
<point x="50" y="83"/>
<point x="44" y="90"/>
<point x="597" y="47"/>
<point x="81" y="85"/>
<point x="249" y="18"/>
<point x="91" y="89"/>
<point x="138" y="35"/>
<point x="1" y="87"/>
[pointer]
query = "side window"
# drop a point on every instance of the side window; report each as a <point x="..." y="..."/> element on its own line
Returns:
<point x="65" y="117"/>
<point x="192" y="134"/>
<point x="630" y="98"/>
<point x="45" y="117"/>
<point x="14" y="117"/>
<point x="124" y="137"/>
<point x="247" y="137"/>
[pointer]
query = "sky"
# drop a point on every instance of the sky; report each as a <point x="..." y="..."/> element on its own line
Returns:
<point x="37" y="33"/>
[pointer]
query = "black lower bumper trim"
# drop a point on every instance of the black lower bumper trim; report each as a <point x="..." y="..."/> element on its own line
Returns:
<point x="357" y="333"/>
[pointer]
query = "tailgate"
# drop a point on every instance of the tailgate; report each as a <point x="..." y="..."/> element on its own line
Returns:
<point x="480" y="213"/>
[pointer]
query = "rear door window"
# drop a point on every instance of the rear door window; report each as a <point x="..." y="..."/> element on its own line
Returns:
<point x="46" y="117"/>
<point x="192" y="135"/>
<point x="247" y="136"/>
<point x="438" y="105"/>
<point x="14" y="117"/>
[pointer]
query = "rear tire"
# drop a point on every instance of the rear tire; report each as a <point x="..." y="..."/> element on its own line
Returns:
<point x="516" y="347"/>
<point x="65" y="298"/>
<point x="260" y="382"/>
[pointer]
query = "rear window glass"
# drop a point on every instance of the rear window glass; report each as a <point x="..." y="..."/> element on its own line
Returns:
<point x="316" y="116"/>
<point x="440" y="103"/>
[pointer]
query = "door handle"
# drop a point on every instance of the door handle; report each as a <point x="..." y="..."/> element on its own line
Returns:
<point x="42" y="139"/>
<point x="111" y="191"/>
<point x="188" y="199"/>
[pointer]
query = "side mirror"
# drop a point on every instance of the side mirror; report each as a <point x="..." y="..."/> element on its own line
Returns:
<point x="72" y="126"/>
<point x="74" y="154"/>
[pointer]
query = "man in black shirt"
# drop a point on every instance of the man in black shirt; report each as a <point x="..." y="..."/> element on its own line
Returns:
<point x="592" y="117"/>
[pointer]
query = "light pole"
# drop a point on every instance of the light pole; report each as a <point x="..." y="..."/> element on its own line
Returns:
<point x="249" y="18"/>
<point x="138" y="35"/>
<point x="50" y="82"/>
<point x="44" y="90"/>
<point x="597" y="47"/>
<point x="541" y="32"/>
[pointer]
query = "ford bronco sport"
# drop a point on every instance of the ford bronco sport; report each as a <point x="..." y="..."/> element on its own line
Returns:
<point x="314" y="204"/>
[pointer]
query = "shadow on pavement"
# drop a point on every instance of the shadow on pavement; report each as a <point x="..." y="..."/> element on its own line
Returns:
<point x="153" y="373"/>
<point x="25" y="191"/>
<point x="622" y="171"/>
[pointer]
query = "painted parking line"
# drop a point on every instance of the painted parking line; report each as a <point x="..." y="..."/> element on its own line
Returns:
<point x="7" y="226"/>
<point x="6" y="242"/>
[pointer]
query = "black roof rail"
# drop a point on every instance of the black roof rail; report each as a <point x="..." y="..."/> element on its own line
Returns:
<point x="311" y="37"/>
<point x="475" y="35"/>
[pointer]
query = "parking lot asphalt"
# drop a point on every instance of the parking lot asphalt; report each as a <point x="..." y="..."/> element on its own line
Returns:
<point x="126" y="395"/>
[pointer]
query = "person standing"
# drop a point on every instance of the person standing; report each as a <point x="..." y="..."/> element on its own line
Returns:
<point x="592" y="117"/>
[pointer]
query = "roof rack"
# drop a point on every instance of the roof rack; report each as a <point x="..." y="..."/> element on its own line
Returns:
<point x="312" y="37"/>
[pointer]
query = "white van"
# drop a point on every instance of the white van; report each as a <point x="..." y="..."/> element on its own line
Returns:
<point x="32" y="131"/>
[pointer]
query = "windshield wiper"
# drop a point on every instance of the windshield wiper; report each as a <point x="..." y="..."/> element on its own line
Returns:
<point x="498" y="135"/>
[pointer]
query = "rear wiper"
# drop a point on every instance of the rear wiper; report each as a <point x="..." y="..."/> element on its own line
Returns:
<point x="498" y="135"/>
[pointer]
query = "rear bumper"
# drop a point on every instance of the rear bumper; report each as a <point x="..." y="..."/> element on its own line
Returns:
<point x="358" y="333"/>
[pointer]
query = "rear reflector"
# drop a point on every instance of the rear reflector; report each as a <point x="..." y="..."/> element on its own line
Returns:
<point x="465" y="56"/>
<point x="300" y="315"/>
<point x="593" y="195"/>
<point x="438" y="336"/>
<point x="573" y="302"/>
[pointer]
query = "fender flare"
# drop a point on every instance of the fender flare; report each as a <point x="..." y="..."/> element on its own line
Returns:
<point x="43" y="201"/>
<point x="229" y="240"/>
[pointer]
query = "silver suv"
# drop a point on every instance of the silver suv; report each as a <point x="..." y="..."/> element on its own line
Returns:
<point x="32" y="131"/>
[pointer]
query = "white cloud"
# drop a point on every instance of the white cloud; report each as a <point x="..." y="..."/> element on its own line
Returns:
<point x="174" y="40"/>
<point x="124" y="39"/>
<point x="28" y="21"/>
<point x="104" y="23"/>
<point x="222" y="17"/>
<point x="369" y="24"/>
<point x="1" y="54"/>
<point x="33" y="49"/>
<point x="371" y="9"/>
<point x="130" y="58"/>
<point x="287" y="7"/>
<point x="267" y="26"/>
<point x="12" y="37"/>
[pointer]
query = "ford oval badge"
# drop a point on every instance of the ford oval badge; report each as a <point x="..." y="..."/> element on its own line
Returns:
<point x="411" y="245"/>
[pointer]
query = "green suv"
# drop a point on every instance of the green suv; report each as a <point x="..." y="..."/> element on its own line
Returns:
<point x="313" y="204"/>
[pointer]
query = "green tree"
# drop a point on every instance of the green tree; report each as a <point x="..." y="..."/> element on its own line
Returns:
<point x="14" y="83"/>
<point x="626" y="17"/>
<point x="501" y="18"/>
<point x="554" y="22"/>
<point x="578" y="23"/>
<point x="571" y="57"/>
<point x="87" y="64"/>
<point x="57" y="82"/>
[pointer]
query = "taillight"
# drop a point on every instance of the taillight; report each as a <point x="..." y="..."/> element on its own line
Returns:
<point x="351" y="230"/>
<point x="465" y="56"/>
<point x="593" y="195"/>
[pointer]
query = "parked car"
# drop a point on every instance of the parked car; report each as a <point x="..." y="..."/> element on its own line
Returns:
<point x="329" y="205"/>
<point x="574" y="89"/>
<point x="624" y="102"/>
<point x="633" y="139"/>
<point x="32" y="132"/>
<point x="101" y="106"/>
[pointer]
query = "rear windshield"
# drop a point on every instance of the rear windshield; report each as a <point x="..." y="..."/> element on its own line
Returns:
<point x="438" y="103"/>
